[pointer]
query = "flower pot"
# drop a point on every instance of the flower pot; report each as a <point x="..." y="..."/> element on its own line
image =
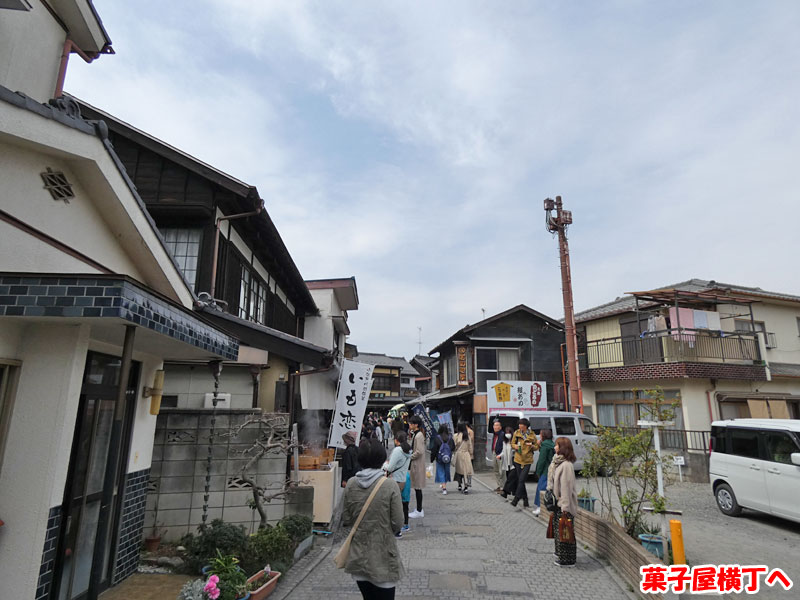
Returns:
<point x="152" y="543"/>
<point x="266" y="589"/>
<point x="653" y="544"/>
<point x="587" y="503"/>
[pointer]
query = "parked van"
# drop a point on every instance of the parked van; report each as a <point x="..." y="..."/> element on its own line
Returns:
<point x="755" y="463"/>
<point x="578" y="428"/>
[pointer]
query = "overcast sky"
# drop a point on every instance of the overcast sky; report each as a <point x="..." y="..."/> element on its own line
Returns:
<point x="411" y="144"/>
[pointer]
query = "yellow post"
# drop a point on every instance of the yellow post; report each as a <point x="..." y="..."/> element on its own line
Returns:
<point x="678" y="551"/>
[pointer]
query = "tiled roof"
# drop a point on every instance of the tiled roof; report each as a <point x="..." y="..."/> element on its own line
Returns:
<point x="626" y="303"/>
<point x="383" y="360"/>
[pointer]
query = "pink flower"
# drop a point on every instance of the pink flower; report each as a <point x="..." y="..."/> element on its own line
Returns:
<point x="213" y="594"/>
<point x="214" y="579"/>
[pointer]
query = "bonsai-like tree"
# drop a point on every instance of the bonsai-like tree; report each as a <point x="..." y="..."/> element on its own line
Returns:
<point x="273" y="439"/>
<point x="624" y="465"/>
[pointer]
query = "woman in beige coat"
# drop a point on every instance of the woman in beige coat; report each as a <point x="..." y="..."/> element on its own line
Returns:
<point x="418" y="463"/>
<point x="562" y="475"/>
<point x="462" y="458"/>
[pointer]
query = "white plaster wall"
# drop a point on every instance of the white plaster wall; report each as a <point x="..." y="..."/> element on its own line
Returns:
<point x="20" y="251"/>
<point x="78" y="224"/>
<point x="278" y="366"/>
<point x="30" y="47"/>
<point x="782" y="321"/>
<point x="319" y="329"/>
<point x="38" y="448"/>
<point x="11" y="333"/>
<point x="192" y="382"/>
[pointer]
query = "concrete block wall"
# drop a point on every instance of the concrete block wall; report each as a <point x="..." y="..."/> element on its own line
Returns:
<point x="177" y="477"/>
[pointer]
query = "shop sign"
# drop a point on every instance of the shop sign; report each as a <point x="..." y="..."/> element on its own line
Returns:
<point x="355" y="384"/>
<point x="515" y="395"/>
<point x="461" y="360"/>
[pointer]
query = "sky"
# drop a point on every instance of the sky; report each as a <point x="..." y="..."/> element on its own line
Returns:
<point x="411" y="144"/>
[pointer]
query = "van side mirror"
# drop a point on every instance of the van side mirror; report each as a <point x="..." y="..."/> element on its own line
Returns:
<point x="796" y="458"/>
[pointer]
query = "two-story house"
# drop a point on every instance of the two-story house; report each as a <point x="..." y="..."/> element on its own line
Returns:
<point x="519" y="344"/>
<point x="393" y="380"/>
<point x="724" y="351"/>
<point x="426" y="380"/>
<point x="91" y="306"/>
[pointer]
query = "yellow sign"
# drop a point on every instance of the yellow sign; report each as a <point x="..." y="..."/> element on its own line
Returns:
<point x="503" y="392"/>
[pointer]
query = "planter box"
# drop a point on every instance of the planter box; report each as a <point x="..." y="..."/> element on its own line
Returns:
<point x="587" y="503"/>
<point x="653" y="544"/>
<point x="266" y="589"/>
<point x="303" y="547"/>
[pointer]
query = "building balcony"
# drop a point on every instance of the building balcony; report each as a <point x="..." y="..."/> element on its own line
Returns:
<point x="673" y="353"/>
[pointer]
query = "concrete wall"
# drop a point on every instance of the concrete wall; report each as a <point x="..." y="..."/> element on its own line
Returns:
<point x="30" y="44"/>
<point x="177" y="476"/>
<point x="38" y="449"/>
<point x="192" y="382"/>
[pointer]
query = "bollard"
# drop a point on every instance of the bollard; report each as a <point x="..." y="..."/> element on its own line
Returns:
<point x="678" y="551"/>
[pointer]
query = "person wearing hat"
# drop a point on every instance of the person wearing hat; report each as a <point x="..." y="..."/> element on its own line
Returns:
<point x="350" y="464"/>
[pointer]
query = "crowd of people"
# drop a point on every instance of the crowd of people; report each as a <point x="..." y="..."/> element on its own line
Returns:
<point x="375" y="566"/>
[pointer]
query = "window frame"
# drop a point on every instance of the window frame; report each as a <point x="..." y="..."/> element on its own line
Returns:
<point x="8" y="394"/>
<point x="498" y="374"/>
<point x="172" y="247"/>
<point x="637" y="399"/>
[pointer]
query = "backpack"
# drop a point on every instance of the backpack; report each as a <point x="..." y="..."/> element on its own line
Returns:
<point x="445" y="452"/>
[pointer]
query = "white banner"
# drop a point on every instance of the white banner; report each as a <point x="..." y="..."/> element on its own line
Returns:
<point x="516" y="395"/>
<point x="355" y="385"/>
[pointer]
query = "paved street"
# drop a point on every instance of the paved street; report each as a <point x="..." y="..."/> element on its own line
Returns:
<point x="711" y="537"/>
<point x="474" y="546"/>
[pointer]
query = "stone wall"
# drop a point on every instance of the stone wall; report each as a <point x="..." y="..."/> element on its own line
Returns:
<point x="177" y="478"/>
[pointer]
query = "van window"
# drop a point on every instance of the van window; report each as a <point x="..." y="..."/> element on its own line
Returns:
<point x="744" y="442"/>
<point x="587" y="427"/>
<point x="565" y="425"/>
<point x="780" y="447"/>
<point x="539" y="423"/>
<point x="719" y="440"/>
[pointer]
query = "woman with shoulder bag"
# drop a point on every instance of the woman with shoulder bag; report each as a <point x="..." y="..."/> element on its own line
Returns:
<point x="462" y="462"/>
<point x="397" y="469"/>
<point x="561" y="480"/>
<point x="373" y="505"/>
<point x="442" y="454"/>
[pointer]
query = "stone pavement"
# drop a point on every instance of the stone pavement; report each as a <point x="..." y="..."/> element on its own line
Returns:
<point x="474" y="546"/>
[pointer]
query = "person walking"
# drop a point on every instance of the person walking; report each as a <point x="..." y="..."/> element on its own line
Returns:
<point x="387" y="432"/>
<point x="442" y="454"/>
<point x="417" y="468"/>
<point x="462" y="461"/>
<point x="546" y="453"/>
<point x="562" y="524"/>
<point x="397" y="469"/>
<point x="350" y="464"/>
<point x="373" y="560"/>
<point x="497" y="450"/>
<point x="507" y="465"/>
<point x="524" y="444"/>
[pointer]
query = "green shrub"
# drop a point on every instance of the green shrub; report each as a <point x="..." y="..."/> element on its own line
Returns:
<point x="297" y="526"/>
<point x="232" y="580"/>
<point x="203" y="547"/>
<point x="271" y="546"/>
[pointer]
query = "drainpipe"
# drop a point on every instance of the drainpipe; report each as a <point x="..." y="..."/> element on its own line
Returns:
<point x="216" y="242"/>
<point x="69" y="47"/>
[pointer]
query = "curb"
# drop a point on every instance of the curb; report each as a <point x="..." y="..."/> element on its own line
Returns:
<point x="300" y="576"/>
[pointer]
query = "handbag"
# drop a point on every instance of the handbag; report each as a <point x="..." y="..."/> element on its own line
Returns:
<point x="550" y="533"/>
<point x="341" y="557"/>
<point x="566" y="529"/>
<point x="549" y="500"/>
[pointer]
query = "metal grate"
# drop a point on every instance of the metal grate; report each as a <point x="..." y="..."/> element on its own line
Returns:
<point x="56" y="183"/>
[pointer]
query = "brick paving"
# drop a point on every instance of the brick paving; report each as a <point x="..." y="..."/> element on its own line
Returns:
<point x="474" y="546"/>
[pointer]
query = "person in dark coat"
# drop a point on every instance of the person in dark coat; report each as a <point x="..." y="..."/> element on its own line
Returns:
<point x="350" y="464"/>
<point x="442" y="469"/>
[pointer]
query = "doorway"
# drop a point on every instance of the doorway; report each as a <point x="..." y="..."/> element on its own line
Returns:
<point x="86" y="541"/>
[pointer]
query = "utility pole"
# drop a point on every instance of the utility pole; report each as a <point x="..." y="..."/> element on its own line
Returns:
<point x="419" y="341"/>
<point x="558" y="224"/>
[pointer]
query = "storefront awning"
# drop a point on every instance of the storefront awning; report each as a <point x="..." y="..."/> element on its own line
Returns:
<point x="267" y="338"/>
<point x="450" y="395"/>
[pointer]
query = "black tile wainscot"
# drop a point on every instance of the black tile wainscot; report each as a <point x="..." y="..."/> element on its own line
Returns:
<point x="49" y="553"/>
<point x="131" y="524"/>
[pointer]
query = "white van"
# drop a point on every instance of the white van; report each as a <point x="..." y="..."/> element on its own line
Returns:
<point x="755" y="463"/>
<point x="578" y="428"/>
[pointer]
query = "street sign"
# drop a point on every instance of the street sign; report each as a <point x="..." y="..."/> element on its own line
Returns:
<point x="678" y="461"/>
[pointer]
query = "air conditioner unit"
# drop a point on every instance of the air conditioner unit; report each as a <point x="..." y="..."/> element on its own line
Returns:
<point x="223" y="401"/>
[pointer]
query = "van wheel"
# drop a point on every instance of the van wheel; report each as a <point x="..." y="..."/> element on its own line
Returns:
<point x="726" y="500"/>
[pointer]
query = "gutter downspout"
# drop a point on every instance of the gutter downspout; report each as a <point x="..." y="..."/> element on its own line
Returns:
<point x="69" y="47"/>
<point x="216" y="242"/>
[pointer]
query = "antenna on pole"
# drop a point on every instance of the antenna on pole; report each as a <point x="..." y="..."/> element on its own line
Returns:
<point x="419" y="341"/>
<point x="483" y="313"/>
<point x="558" y="223"/>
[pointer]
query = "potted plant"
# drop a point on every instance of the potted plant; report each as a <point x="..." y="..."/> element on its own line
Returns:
<point x="263" y="583"/>
<point x="651" y="540"/>
<point x="226" y="579"/>
<point x="586" y="500"/>
<point x="153" y="541"/>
